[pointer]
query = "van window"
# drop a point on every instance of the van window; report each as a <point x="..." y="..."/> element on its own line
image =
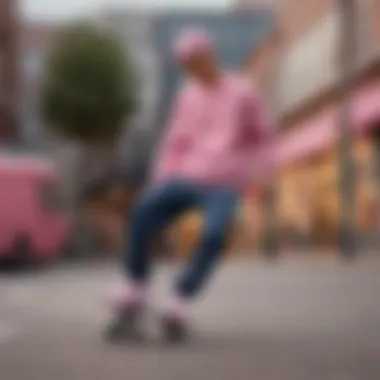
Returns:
<point x="51" y="197"/>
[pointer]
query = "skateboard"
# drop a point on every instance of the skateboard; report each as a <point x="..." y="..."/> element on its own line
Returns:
<point x="128" y="327"/>
<point x="124" y="327"/>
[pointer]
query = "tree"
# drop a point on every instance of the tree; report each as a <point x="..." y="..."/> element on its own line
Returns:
<point x="88" y="93"/>
<point x="89" y="85"/>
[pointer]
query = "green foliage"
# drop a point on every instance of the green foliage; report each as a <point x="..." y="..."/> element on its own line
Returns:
<point x="89" y="88"/>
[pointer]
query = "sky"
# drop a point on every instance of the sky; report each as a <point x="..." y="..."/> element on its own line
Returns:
<point x="56" y="10"/>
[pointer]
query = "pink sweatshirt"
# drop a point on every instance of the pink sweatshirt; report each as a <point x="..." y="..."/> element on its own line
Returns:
<point x="217" y="136"/>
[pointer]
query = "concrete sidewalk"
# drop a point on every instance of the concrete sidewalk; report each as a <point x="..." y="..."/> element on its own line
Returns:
<point x="291" y="320"/>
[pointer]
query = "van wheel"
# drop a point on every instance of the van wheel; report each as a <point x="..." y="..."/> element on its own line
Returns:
<point x="22" y="250"/>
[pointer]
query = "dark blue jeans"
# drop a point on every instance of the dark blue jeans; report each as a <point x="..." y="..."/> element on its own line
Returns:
<point x="159" y="206"/>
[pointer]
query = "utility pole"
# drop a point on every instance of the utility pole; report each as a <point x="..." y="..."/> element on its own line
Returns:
<point x="271" y="232"/>
<point x="347" y="59"/>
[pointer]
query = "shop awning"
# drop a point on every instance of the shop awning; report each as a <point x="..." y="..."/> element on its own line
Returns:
<point x="319" y="131"/>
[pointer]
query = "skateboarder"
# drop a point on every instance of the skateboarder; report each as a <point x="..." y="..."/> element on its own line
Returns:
<point x="218" y="133"/>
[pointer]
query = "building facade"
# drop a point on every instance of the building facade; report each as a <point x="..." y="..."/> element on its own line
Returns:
<point x="35" y="42"/>
<point x="308" y="75"/>
<point x="134" y="27"/>
<point x="9" y="70"/>
<point x="36" y="39"/>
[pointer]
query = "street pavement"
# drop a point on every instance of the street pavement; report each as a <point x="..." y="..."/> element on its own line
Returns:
<point x="294" y="320"/>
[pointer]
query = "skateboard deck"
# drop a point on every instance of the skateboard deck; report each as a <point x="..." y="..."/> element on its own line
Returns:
<point x="125" y="328"/>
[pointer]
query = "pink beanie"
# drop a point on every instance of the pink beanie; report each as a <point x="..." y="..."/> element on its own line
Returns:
<point x="191" y="42"/>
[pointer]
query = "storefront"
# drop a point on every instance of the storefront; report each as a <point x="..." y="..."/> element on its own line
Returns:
<point x="308" y="175"/>
<point x="308" y="200"/>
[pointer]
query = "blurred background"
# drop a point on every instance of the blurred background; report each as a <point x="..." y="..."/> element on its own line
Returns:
<point x="85" y="91"/>
<point x="319" y="64"/>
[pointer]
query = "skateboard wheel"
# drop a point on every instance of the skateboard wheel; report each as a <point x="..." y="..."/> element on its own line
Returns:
<point x="175" y="331"/>
<point x="123" y="328"/>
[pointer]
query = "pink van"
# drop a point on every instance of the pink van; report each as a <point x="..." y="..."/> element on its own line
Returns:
<point x="33" y="225"/>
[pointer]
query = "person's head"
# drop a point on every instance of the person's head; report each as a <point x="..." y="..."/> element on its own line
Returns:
<point x="195" y="51"/>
